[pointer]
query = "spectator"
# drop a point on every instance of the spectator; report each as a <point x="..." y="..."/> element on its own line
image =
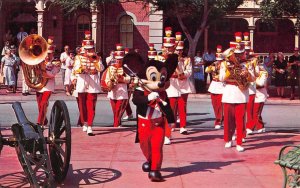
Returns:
<point x="280" y="66"/>
<point x="8" y="36"/>
<point x="21" y="35"/>
<point x="268" y="65"/>
<point x="63" y="57"/>
<point x="17" y="65"/>
<point x="208" y="59"/>
<point x="68" y="72"/>
<point x="6" y="46"/>
<point x="294" y="62"/>
<point x="32" y="31"/>
<point x="110" y="59"/>
<point x="198" y="59"/>
<point x="7" y="69"/>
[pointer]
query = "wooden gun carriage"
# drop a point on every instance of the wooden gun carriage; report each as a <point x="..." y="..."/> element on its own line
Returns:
<point x="43" y="166"/>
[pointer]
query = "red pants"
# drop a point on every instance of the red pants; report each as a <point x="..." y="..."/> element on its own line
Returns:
<point x="117" y="107"/>
<point x="257" y="121"/>
<point x="234" y="118"/>
<point x="250" y="109"/>
<point x="151" y="138"/>
<point x="179" y="104"/>
<point x="87" y="107"/>
<point x="216" y="101"/>
<point x="43" y="102"/>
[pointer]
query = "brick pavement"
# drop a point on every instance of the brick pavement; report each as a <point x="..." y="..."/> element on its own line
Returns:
<point x="112" y="159"/>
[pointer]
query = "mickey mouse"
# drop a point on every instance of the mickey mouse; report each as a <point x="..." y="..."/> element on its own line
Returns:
<point x="153" y="110"/>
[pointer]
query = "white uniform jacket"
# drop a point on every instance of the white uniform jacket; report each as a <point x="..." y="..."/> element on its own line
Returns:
<point x="118" y="92"/>
<point x="232" y="93"/>
<point x="185" y="85"/>
<point x="255" y="72"/>
<point x="86" y="83"/>
<point x="51" y="71"/>
<point x="261" y="91"/>
<point x="216" y="87"/>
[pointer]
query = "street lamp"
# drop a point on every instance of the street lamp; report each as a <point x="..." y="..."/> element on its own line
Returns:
<point x="297" y="27"/>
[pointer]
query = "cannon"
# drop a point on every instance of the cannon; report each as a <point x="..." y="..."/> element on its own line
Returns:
<point x="43" y="166"/>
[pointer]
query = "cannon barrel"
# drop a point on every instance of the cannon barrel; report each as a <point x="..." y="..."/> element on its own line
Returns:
<point x="28" y="129"/>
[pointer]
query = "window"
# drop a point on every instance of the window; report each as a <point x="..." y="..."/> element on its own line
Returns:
<point x="83" y="24"/>
<point x="126" y="31"/>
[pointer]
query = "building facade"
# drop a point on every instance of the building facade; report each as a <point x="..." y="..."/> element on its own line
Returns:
<point x="135" y="26"/>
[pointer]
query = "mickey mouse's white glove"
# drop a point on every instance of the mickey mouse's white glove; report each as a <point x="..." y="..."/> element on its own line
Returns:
<point x="153" y="96"/>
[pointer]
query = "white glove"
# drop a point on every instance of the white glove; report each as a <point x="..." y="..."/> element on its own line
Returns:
<point x="153" y="96"/>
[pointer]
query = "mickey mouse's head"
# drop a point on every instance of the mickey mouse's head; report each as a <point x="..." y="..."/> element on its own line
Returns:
<point x="154" y="75"/>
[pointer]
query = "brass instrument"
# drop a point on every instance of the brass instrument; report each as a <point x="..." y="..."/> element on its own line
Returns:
<point x="33" y="51"/>
<point x="234" y="71"/>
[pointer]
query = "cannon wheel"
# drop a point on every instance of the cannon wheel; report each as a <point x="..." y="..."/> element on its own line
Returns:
<point x="35" y="162"/>
<point x="60" y="140"/>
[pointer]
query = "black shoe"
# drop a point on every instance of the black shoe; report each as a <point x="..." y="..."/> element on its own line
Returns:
<point x="146" y="167"/>
<point x="24" y="94"/>
<point x="292" y="98"/>
<point x="155" y="176"/>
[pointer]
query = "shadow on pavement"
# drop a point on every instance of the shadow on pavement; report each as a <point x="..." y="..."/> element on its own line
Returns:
<point x="198" y="167"/>
<point x="75" y="178"/>
<point x="90" y="176"/>
<point x="265" y="141"/>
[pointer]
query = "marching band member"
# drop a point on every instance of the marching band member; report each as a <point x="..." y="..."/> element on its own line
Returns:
<point x="173" y="91"/>
<point x="118" y="93"/>
<point x="260" y="99"/>
<point x="42" y="95"/>
<point x="152" y="53"/>
<point x="69" y="63"/>
<point x="184" y="71"/>
<point x="216" y="87"/>
<point x="237" y="75"/>
<point x="86" y="77"/>
<point x="251" y="61"/>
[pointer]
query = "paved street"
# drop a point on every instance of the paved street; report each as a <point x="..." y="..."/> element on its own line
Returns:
<point x="112" y="159"/>
<point x="277" y="113"/>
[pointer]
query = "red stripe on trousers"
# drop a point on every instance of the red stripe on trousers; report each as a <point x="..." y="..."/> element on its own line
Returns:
<point x="173" y="104"/>
<point x="87" y="107"/>
<point x="182" y="104"/>
<point x="250" y="109"/>
<point x="151" y="138"/>
<point x="257" y="121"/>
<point x="216" y="101"/>
<point x="234" y="118"/>
<point x="43" y="102"/>
<point x="117" y="107"/>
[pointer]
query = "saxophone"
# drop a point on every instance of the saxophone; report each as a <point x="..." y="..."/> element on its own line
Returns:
<point x="235" y="69"/>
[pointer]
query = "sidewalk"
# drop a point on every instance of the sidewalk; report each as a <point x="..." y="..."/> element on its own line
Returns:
<point x="112" y="159"/>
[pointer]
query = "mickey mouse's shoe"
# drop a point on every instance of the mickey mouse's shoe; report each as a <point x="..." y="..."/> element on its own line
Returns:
<point x="155" y="176"/>
<point x="146" y="167"/>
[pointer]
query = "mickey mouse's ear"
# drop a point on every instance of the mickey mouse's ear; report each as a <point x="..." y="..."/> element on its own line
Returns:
<point x="171" y="64"/>
<point x="134" y="61"/>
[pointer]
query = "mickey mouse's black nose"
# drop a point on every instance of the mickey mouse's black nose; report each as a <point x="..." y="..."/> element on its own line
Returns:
<point x="161" y="84"/>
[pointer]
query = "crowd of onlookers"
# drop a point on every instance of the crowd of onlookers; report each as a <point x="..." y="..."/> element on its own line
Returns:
<point x="282" y="70"/>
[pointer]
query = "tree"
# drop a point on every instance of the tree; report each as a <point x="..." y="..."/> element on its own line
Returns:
<point x="275" y="9"/>
<point x="201" y="13"/>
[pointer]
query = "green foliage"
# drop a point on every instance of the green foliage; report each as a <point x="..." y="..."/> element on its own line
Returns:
<point x="195" y="9"/>
<point x="274" y="9"/>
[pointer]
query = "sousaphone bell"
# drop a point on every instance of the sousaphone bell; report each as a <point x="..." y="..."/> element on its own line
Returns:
<point x="32" y="52"/>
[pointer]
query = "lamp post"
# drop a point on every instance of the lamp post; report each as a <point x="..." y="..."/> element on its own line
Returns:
<point x="297" y="27"/>
<point x="40" y="5"/>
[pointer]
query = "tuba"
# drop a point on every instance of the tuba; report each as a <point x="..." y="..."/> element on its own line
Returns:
<point x="234" y="73"/>
<point x="32" y="52"/>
